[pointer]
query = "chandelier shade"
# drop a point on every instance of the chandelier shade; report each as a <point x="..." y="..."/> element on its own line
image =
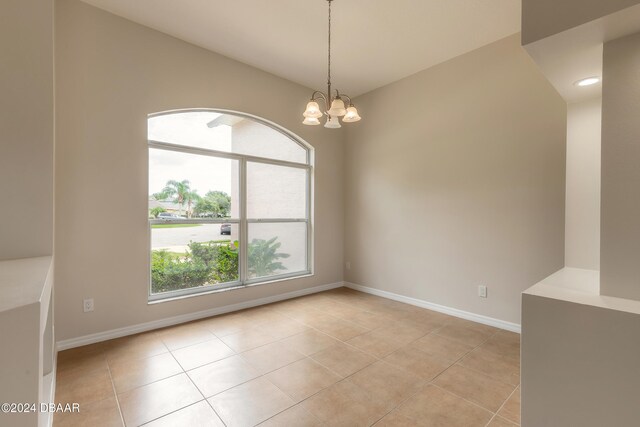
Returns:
<point x="332" y="123"/>
<point x="333" y="102"/>
<point x="311" y="121"/>
<point x="337" y="108"/>
<point x="313" y="110"/>
<point x="351" y="115"/>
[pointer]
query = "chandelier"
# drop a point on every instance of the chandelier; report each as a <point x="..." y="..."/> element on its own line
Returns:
<point x="334" y="106"/>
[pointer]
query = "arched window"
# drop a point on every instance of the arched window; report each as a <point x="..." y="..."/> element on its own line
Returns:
<point x="229" y="202"/>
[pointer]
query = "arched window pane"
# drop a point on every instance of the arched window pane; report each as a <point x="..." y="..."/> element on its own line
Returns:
<point x="225" y="132"/>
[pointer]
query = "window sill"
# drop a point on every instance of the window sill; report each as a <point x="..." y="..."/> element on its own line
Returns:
<point x="230" y="288"/>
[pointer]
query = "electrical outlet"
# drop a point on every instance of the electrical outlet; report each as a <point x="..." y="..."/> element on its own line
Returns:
<point x="87" y="305"/>
<point x="348" y="265"/>
<point x="482" y="291"/>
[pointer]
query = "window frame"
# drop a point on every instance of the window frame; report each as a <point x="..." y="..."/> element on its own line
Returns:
<point x="243" y="221"/>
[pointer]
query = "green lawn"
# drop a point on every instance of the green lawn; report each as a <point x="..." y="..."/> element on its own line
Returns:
<point x="174" y="225"/>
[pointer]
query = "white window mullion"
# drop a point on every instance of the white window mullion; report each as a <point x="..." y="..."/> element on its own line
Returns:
<point x="244" y="227"/>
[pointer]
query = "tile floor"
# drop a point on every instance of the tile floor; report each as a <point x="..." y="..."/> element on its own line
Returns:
<point x="338" y="358"/>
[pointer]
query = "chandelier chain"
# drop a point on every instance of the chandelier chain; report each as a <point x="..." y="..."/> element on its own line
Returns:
<point x="329" y="53"/>
<point x="335" y="106"/>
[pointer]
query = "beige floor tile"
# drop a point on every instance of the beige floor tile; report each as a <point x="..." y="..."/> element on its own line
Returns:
<point x="302" y="379"/>
<point x="202" y="353"/>
<point x="494" y="365"/>
<point x="104" y="413"/>
<point x="464" y="334"/>
<point x="345" y="404"/>
<point x="504" y="343"/>
<point x="443" y="348"/>
<point x="498" y="421"/>
<point x="270" y="357"/>
<point x="296" y="416"/>
<point x="316" y="318"/>
<point x="417" y="363"/>
<point x="475" y="387"/>
<point x="129" y="374"/>
<point x="433" y="316"/>
<point x="222" y="375"/>
<point x="403" y="331"/>
<point x="185" y="335"/>
<point x="309" y="342"/>
<point x="386" y="383"/>
<point x="282" y="328"/>
<point x="247" y="339"/>
<point x="394" y="419"/>
<point x="367" y="319"/>
<point x="336" y="308"/>
<point x="472" y="325"/>
<point x="340" y="329"/>
<point x="435" y="407"/>
<point x="262" y="314"/>
<point x="343" y="359"/>
<point x="376" y="344"/>
<point x="87" y="359"/>
<point x="127" y="350"/>
<point x="288" y="307"/>
<point x="197" y="415"/>
<point x="84" y="388"/>
<point x="511" y="408"/>
<point x="78" y="352"/>
<point x="425" y="324"/>
<point x="227" y="324"/>
<point x="305" y="314"/>
<point x="130" y="340"/>
<point x="155" y="400"/>
<point x="250" y="403"/>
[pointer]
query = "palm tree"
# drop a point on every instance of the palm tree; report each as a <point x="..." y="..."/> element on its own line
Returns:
<point x="180" y="191"/>
<point x="190" y="197"/>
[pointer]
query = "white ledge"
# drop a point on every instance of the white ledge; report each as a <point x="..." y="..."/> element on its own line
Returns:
<point x="22" y="281"/>
<point x="581" y="287"/>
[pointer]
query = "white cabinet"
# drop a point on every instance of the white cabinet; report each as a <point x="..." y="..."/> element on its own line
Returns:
<point x="27" y="353"/>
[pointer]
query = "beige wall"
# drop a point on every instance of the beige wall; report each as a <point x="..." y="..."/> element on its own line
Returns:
<point x="543" y="18"/>
<point x="620" y="241"/>
<point x="26" y="128"/>
<point x="110" y="74"/>
<point x="582" y="216"/>
<point x="456" y="178"/>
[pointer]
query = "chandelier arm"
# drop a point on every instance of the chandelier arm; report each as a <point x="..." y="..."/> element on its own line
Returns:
<point x="348" y="98"/>
<point x="319" y="95"/>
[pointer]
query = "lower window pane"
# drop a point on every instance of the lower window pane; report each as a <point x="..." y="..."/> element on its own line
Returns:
<point x="185" y="256"/>
<point x="277" y="248"/>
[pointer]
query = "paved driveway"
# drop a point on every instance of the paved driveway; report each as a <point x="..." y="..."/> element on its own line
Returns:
<point x="177" y="239"/>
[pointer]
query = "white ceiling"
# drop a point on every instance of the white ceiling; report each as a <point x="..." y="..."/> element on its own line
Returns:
<point x="375" y="42"/>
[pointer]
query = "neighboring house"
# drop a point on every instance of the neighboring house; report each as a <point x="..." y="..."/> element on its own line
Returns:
<point x="167" y="205"/>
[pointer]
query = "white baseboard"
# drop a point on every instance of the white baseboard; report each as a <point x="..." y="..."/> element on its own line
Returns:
<point x="170" y="321"/>
<point x="513" y="327"/>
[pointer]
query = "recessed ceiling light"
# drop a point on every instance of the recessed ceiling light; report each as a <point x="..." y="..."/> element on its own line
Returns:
<point x="588" y="81"/>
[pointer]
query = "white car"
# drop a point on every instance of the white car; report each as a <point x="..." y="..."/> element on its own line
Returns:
<point x="169" y="216"/>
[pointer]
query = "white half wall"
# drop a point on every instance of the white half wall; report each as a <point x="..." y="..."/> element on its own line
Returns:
<point x="582" y="212"/>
